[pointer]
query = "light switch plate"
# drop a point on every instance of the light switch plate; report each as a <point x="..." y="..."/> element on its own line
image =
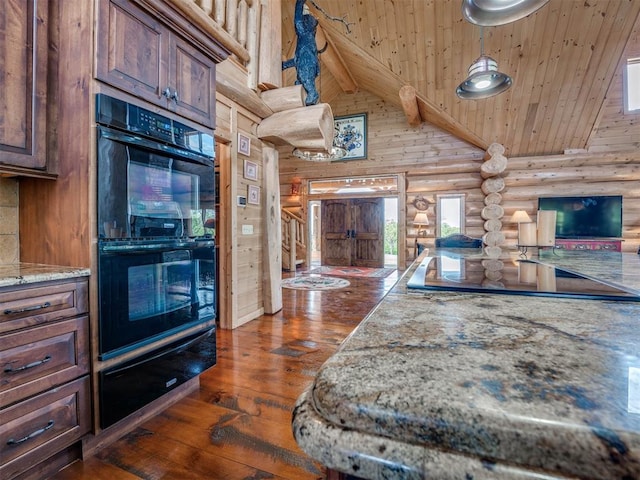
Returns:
<point x="247" y="229"/>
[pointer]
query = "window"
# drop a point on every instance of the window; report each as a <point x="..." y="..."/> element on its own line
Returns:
<point x="359" y="186"/>
<point x="632" y="86"/>
<point x="450" y="215"/>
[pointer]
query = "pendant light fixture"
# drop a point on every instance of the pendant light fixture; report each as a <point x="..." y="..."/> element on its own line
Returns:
<point x="484" y="79"/>
<point x="490" y="13"/>
<point x="336" y="153"/>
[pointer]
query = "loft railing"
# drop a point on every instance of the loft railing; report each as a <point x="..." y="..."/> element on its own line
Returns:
<point x="294" y="245"/>
<point x="235" y="24"/>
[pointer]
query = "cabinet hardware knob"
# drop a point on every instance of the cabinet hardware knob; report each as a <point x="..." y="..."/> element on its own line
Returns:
<point x="174" y="96"/>
<point x="27" y="309"/>
<point x="10" y="369"/>
<point x="166" y="92"/>
<point x="40" y="431"/>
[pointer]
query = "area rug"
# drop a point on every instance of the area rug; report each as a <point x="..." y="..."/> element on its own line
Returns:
<point x="352" y="271"/>
<point x="314" y="282"/>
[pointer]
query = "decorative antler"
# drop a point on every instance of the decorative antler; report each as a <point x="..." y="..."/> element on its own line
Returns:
<point x="343" y="20"/>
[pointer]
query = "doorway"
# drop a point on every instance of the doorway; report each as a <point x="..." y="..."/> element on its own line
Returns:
<point x="352" y="232"/>
<point x="389" y="229"/>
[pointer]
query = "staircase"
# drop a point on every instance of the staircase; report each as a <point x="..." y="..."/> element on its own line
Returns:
<point x="294" y="243"/>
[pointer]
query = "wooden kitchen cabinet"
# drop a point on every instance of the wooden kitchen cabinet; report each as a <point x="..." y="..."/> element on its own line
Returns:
<point x="24" y="39"/>
<point x="140" y="55"/>
<point x="45" y="395"/>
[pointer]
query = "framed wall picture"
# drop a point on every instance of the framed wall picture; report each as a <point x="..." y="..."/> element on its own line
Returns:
<point x="250" y="170"/>
<point x="253" y="195"/>
<point x="351" y="134"/>
<point x="244" y="144"/>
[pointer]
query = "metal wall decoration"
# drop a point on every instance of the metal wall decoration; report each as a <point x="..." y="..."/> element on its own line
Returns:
<point x="420" y="203"/>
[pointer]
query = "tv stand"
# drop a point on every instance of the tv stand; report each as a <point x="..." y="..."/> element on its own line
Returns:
<point x="589" y="244"/>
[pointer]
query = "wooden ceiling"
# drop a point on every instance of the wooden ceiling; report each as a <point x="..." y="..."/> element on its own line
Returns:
<point x="562" y="60"/>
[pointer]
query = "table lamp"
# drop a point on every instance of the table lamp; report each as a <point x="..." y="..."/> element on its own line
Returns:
<point x="421" y="220"/>
<point x="526" y="228"/>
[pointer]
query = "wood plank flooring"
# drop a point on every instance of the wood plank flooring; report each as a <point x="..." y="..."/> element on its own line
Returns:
<point x="237" y="426"/>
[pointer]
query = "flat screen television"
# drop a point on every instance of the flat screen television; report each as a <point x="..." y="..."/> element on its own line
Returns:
<point x="586" y="217"/>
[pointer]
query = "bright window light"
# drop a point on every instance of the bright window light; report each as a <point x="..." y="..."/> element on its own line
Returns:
<point x="450" y="215"/>
<point x="633" y="84"/>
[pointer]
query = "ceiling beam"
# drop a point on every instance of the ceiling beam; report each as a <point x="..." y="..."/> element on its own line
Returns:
<point x="409" y="103"/>
<point x="418" y="109"/>
<point x="331" y="58"/>
<point x="376" y="78"/>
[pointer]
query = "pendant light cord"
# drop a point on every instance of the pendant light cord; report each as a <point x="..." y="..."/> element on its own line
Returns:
<point x="481" y="41"/>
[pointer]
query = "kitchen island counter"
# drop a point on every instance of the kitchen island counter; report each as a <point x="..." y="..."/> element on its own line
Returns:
<point x="475" y="385"/>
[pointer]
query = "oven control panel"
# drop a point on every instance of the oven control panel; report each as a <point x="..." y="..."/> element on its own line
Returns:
<point x="117" y="113"/>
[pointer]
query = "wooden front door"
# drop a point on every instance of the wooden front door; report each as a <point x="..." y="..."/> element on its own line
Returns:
<point x="352" y="232"/>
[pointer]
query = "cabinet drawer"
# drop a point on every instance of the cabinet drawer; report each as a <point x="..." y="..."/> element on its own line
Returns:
<point x="24" y="307"/>
<point x="33" y="430"/>
<point x="39" y="358"/>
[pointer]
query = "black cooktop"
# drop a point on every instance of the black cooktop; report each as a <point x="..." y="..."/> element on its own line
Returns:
<point x="511" y="277"/>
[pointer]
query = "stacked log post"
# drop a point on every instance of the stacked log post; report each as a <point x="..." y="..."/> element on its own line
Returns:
<point x="491" y="171"/>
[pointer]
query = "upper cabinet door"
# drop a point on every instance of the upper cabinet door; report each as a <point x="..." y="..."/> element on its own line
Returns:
<point x="143" y="57"/>
<point x="23" y="84"/>
<point x="131" y="48"/>
<point x="193" y="77"/>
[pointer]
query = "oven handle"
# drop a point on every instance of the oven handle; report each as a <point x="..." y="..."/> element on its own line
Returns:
<point x="130" y="139"/>
<point x="133" y="248"/>
<point x="172" y="348"/>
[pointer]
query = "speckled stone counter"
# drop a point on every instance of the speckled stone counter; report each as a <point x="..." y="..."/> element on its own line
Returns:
<point x="24" y="273"/>
<point x="451" y="385"/>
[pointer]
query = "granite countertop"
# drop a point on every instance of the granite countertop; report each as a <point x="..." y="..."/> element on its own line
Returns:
<point x="25" y="273"/>
<point x="473" y="385"/>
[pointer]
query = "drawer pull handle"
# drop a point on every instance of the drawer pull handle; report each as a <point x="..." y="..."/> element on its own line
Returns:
<point x="10" y="369"/>
<point x="11" y="441"/>
<point x="28" y="309"/>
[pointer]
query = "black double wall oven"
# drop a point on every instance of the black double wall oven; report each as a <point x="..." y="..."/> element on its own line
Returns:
<point x="156" y="254"/>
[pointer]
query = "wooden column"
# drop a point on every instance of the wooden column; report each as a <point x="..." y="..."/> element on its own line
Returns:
<point x="491" y="170"/>
<point x="272" y="238"/>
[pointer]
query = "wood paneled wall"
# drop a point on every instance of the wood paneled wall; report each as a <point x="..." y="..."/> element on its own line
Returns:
<point x="242" y="267"/>
<point x="437" y="163"/>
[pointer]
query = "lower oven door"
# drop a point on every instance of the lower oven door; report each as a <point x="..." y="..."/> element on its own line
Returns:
<point x="149" y="291"/>
<point x="130" y="386"/>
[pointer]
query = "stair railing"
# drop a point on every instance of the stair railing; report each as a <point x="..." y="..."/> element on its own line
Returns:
<point x="294" y="245"/>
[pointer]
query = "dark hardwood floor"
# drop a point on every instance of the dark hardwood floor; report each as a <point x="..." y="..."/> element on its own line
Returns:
<point x="237" y="426"/>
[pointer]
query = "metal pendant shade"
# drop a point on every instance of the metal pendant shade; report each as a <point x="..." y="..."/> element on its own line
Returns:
<point x="484" y="79"/>
<point x="489" y="13"/>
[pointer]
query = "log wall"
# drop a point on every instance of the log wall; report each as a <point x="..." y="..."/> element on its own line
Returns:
<point x="437" y="163"/>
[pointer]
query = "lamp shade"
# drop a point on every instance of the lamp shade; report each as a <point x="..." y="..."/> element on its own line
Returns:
<point x="490" y="13"/>
<point x="421" y="219"/>
<point x="520" y="216"/>
<point x="484" y="80"/>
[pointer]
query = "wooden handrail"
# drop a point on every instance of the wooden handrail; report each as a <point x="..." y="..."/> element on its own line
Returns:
<point x="235" y="24"/>
<point x="293" y="238"/>
<point x="200" y="13"/>
<point x="292" y="215"/>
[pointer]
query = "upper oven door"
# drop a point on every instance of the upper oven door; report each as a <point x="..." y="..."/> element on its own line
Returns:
<point x="151" y="190"/>
<point x="149" y="291"/>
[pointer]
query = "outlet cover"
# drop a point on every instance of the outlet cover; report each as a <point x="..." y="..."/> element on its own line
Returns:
<point x="247" y="229"/>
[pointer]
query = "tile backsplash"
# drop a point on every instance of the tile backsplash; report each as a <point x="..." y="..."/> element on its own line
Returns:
<point x="9" y="239"/>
